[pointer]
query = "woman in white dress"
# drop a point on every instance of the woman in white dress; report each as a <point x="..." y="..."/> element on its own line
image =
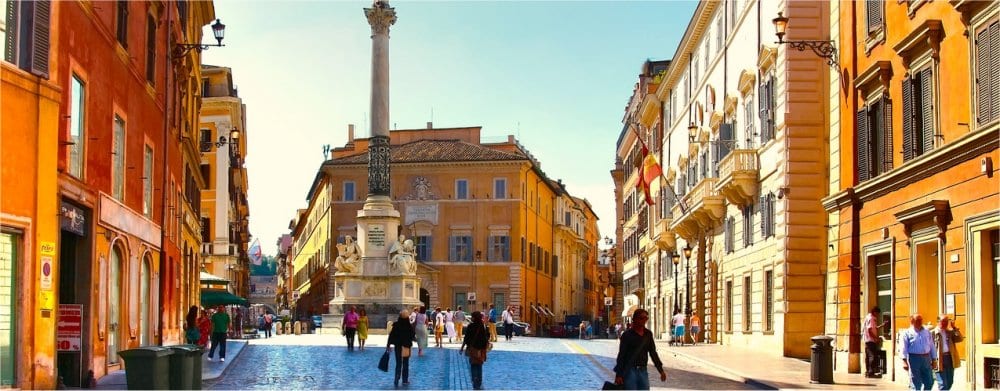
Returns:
<point x="420" y="328"/>
<point x="449" y="324"/>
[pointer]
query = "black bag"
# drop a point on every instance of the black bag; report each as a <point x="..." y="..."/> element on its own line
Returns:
<point x="612" y="386"/>
<point x="383" y="363"/>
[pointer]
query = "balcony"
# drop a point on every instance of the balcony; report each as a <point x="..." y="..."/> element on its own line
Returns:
<point x="706" y="208"/>
<point x="738" y="173"/>
<point x="663" y="236"/>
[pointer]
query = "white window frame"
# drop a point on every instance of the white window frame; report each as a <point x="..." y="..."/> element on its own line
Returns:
<point x="118" y="158"/>
<point x="500" y="195"/>
<point x="77" y="150"/>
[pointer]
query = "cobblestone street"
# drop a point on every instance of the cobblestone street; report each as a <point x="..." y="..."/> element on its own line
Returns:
<point x="323" y="362"/>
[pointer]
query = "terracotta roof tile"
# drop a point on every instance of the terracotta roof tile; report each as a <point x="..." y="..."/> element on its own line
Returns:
<point x="425" y="151"/>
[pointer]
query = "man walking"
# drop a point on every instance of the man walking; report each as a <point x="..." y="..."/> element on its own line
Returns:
<point x="945" y="337"/>
<point x="634" y="351"/>
<point x="919" y="355"/>
<point x="350" y="327"/>
<point x="508" y="323"/>
<point x="268" y="322"/>
<point x="493" y="323"/>
<point x="873" y="342"/>
<point x="678" y="323"/>
<point x="459" y="322"/>
<point x="220" y="326"/>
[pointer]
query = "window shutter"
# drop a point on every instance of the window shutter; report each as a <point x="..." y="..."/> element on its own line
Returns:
<point x="771" y="104"/>
<point x="886" y="128"/>
<point x="762" y="208"/>
<point x="908" y="120"/>
<point x="506" y="249"/>
<point x="863" y="154"/>
<point x="762" y="92"/>
<point x="429" y="248"/>
<point x="40" y="39"/>
<point x="994" y="72"/>
<point x="926" y="110"/>
<point x="13" y="26"/>
<point x="874" y="8"/>
<point x="984" y="52"/>
<point x="452" y="254"/>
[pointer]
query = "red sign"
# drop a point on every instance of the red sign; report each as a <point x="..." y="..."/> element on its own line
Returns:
<point x="69" y="325"/>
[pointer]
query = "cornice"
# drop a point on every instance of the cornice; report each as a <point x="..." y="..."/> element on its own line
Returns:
<point x="928" y="35"/>
<point x="881" y="70"/>
<point x="838" y="200"/>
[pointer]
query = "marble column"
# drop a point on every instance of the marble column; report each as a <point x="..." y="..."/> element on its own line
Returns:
<point x="380" y="17"/>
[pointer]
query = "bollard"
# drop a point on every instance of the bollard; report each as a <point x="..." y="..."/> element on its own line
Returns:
<point x="278" y="328"/>
<point x="298" y="327"/>
<point x="821" y="365"/>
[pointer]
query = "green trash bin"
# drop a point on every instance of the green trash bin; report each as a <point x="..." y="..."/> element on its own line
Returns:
<point x="147" y="367"/>
<point x="185" y="367"/>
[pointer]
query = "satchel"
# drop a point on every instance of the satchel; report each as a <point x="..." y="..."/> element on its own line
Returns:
<point x="383" y="363"/>
<point x="405" y="352"/>
<point x="476" y="356"/>
<point x="612" y="386"/>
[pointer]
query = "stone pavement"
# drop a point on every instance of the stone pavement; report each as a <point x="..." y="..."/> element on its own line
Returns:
<point x="209" y="369"/>
<point x="768" y="371"/>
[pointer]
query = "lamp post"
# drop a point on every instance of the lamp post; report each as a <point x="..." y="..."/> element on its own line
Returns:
<point x="218" y="30"/>
<point x="687" y="294"/>
<point x="676" y="260"/>
<point x="823" y="49"/>
<point x="475" y="294"/>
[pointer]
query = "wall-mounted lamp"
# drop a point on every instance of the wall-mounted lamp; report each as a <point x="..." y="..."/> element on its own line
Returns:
<point x="692" y="132"/>
<point x="218" y="30"/>
<point x="234" y="137"/>
<point x="823" y="49"/>
<point x="608" y="241"/>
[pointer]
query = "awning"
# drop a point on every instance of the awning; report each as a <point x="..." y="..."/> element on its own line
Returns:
<point x="631" y="303"/>
<point x="211" y="278"/>
<point x="213" y="297"/>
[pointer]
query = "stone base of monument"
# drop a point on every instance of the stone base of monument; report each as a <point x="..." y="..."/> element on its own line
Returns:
<point x="382" y="297"/>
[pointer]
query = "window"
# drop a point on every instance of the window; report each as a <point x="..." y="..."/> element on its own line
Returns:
<point x="151" y="49"/>
<point x="766" y="92"/>
<point x="500" y="188"/>
<point x="348" y="191"/>
<point x="987" y="67"/>
<point x="206" y="175"/>
<point x="748" y="113"/>
<point x="461" y="189"/>
<point x="145" y="328"/>
<point x="991" y="295"/>
<point x="769" y="300"/>
<point x="206" y="140"/>
<point x="918" y="114"/>
<point x="873" y="12"/>
<point x="499" y="302"/>
<point x="26" y="36"/>
<point x="747" y="314"/>
<point x="748" y="225"/>
<point x="720" y="33"/>
<point x="729" y="305"/>
<point x="114" y="304"/>
<point x="206" y="229"/>
<point x="121" y="9"/>
<point x="874" y="137"/>
<point x="883" y="288"/>
<point x="531" y="255"/>
<point x="524" y="248"/>
<point x="423" y="247"/>
<point x="460" y="248"/>
<point x="499" y="249"/>
<point x="767" y="216"/>
<point x="77" y="133"/>
<point x="730" y="229"/>
<point x="147" y="182"/>
<point x="547" y="261"/>
<point x="118" y="160"/>
<point x="10" y="258"/>
<point x="555" y="267"/>
<point x="461" y="300"/>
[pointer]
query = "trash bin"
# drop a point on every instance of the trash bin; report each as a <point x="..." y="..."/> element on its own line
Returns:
<point x="147" y="368"/>
<point x="821" y="366"/>
<point x="185" y="367"/>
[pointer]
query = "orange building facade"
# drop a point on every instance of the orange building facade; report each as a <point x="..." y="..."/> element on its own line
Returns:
<point x="914" y="208"/>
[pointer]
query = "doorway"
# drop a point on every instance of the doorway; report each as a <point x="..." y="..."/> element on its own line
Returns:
<point x="9" y="259"/>
<point x="425" y="297"/>
<point x="74" y="292"/>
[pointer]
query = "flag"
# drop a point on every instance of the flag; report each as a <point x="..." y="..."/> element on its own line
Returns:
<point x="648" y="170"/>
<point x="255" y="255"/>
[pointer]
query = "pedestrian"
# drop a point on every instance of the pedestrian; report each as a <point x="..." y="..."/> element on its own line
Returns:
<point x="492" y="324"/>
<point x="261" y="323"/>
<point x="508" y="323"/>
<point x="459" y="322"/>
<point x="350" y="327"/>
<point x="420" y="328"/>
<point x="582" y="329"/>
<point x="618" y="330"/>
<point x="220" y="326"/>
<point x="695" y="327"/>
<point x="634" y="351"/>
<point x="401" y="336"/>
<point x="204" y="328"/>
<point x="362" y="328"/>
<point x="477" y="339"/>
<point x="449" y="324"/>
<point x="191" y="332"/>
<point x="438" y="327"/>
<point x="946" y="335"/>
<point x="873" y="342"/>
<point x="268" y="324"/>
<point x="678" y="323"/>
<point x="918" y="353"/>
<point x="590" y="330"/>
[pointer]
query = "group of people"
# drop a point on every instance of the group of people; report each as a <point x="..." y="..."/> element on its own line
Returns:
<point x="410" y="327"/>
<point x="927" y="354"/>
<point x="355" y="323"/>
<point x="679" y="324"/>
<point x="217" y="326"/>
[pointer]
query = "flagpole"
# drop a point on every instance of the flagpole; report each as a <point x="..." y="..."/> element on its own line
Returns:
<point x="680" y="202"/>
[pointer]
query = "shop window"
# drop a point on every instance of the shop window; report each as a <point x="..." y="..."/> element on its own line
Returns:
<point x="9" y="257"/>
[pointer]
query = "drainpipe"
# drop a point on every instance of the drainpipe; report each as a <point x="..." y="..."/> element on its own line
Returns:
<point x="163" y="280"/>
<point x="854" y="336"/>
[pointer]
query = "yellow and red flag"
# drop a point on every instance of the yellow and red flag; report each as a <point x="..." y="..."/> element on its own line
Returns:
<point x="649" y="170"/>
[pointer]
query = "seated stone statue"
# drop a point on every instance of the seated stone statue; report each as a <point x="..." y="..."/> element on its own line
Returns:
<point x="403" y="256"/>
<point x="349" y="257"/>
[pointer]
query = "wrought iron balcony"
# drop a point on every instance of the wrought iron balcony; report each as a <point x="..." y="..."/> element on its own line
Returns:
<point x="738" y="174"/>
<point x="706" y="208"/>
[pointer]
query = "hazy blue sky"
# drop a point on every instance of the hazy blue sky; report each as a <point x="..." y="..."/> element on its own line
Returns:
<point x="556" y="74"/>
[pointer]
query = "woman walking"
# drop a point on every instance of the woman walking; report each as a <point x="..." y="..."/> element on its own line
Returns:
<point x="449" y="324"/>
<point x="420" y="327"/>
<point x="362" y="328"/>
<point x="191" y="332"/>
<point x="205" y="327"/>
<point x="477" y="339"/>
<point x="438" y="327"/>
<point x="401" y="336"/>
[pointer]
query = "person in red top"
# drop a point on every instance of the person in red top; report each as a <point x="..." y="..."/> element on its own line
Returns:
<point x="205" y="327"/>
<point x="350" y="327"/>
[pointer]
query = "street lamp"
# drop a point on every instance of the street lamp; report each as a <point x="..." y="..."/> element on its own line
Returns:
<point x="687" y="272"/>
<point x="676" y="260"/>
<point x="234" y="137"/>
<point x="692" y="132"/>
<point x="218" y="30"/>
<point x="823" y="49"/>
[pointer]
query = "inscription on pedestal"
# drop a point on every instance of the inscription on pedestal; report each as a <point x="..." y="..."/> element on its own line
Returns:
<point x="376" y="236"/>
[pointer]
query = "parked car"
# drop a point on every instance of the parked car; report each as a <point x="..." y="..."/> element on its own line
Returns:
<point x="317" y="321"/>
<point x="557" y="331"/>
<point x="520" y="328"/>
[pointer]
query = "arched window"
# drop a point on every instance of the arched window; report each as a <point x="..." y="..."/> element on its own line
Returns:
<point x="145" y="331"/>
<point x="114" y="303"/>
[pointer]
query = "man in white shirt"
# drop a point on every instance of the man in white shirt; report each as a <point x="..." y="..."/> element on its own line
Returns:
<point x="873" y="342"/>
<point x="508" y="323"/>
<point x="678" y="323"/>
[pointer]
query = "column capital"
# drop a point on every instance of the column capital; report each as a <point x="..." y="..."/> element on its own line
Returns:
<point x="380" y="17"/>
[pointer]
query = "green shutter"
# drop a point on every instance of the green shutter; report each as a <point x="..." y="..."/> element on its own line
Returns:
<point x="13" y="27"/>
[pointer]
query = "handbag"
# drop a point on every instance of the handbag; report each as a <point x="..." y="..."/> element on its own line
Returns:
<point x="383" y="363"/>
<point x="476" y="356"/>
<point x="405" y="352"/>
<point x="612" y="386"/>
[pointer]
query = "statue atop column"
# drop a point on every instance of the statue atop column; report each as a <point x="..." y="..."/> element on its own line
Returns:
<point x="348" y="256"/>
<point x="403" y="256"/>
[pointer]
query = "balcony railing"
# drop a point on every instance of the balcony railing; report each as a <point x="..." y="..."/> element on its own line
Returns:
<point x="706" y="208"/>
<point x="663" y="235"/>
<point x="738" y="173"/>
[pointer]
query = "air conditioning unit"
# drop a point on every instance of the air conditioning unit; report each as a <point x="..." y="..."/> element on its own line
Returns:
<point x="471" y="297"/>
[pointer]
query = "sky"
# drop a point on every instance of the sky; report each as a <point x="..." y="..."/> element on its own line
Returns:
<point x="555" y="74"/>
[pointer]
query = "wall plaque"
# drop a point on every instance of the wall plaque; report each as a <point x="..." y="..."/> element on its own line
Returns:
<point x="376" y="236"/>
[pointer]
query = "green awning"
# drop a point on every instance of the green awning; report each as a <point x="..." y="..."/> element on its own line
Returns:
<point x="214" y="297"/>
